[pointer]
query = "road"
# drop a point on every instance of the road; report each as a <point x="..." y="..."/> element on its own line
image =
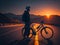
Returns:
<point x="11" y="33"/>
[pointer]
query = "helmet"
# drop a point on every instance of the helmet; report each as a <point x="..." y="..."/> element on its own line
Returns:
<point x="27" y="7"/>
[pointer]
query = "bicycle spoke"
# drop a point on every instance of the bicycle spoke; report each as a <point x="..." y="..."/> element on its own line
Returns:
<point x="47" y="32"/>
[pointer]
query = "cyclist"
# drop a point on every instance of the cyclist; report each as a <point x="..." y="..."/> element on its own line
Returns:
<point x="26" y="20"/>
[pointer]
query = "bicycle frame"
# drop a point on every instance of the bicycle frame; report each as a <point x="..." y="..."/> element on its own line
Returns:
<point x="40" y="27"/>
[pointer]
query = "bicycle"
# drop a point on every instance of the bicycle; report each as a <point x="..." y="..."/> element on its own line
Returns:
<point x="44" y="30"/>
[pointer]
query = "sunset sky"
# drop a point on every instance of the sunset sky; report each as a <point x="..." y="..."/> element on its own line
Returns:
<point x="38" y="7"/>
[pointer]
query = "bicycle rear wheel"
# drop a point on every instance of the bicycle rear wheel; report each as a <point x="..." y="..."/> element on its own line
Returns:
<point x="29" y="34"/>
<point x="47" y="32"/>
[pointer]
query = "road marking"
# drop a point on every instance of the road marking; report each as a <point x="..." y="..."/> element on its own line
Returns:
<point x="36" y="39"/>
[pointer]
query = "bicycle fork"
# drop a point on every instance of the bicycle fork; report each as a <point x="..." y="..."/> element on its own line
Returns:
<point x="45" y="31"/>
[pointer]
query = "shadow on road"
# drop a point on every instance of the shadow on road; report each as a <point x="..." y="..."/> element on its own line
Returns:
<point x="21" y="42"/>
<point x="46" y="42"/>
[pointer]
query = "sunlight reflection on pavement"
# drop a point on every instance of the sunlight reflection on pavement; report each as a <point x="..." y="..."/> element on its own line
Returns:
<point x="36" y="39"/>
<point x="12" y="25"/>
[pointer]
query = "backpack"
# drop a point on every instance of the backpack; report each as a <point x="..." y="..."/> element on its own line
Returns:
<point x="26" y="17"/>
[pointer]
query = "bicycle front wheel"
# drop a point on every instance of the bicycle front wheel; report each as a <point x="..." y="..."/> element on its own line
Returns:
<point x="47" y="32"/>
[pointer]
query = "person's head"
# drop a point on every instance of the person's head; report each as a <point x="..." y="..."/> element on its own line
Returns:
<point x="27" y="8"/>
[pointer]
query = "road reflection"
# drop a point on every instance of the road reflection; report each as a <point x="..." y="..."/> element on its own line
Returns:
<point x="36" y="39"/>
<point x="11" y="33"/>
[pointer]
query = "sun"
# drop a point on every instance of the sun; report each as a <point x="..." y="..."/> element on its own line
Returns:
<point x="48" y="11"/>
<point x="48" y="15"/>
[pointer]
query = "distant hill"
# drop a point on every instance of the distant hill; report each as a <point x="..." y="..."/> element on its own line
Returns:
<point x="8" y="18"/>
<point x="54" y="20"/>
<point x="4" y="19"/>
<point x="12" y="18"/>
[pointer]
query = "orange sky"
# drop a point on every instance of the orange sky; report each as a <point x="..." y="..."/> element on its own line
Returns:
<point x="46" y="11"/>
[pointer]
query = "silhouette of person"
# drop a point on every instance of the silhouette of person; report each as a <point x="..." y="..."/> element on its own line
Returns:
<point x="24" y="41"/>
<point x="26" y="20"/>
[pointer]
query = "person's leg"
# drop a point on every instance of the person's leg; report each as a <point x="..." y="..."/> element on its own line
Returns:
<point x="25" y="34"/>
<point x="28" y="28"/>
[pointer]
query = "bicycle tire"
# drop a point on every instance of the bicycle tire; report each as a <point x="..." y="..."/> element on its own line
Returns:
<point x="50" y="30"/>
